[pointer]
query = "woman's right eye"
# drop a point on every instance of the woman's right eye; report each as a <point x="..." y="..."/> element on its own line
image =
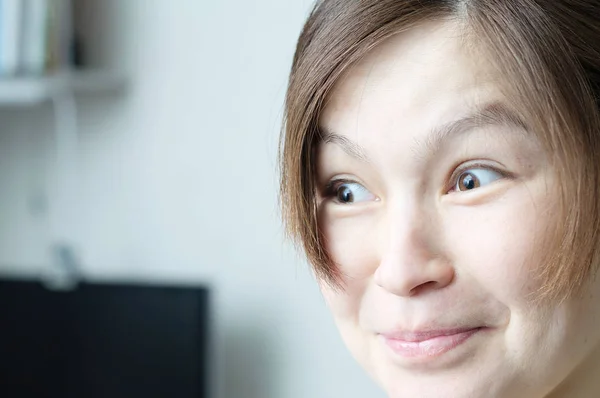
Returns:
<point x="346" y="192"/>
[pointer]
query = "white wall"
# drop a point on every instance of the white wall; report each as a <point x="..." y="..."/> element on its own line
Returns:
<point x="178" y="183"/>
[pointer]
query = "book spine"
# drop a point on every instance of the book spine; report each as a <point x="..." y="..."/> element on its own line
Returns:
<point x="51" y="41"/>
<point x="1" y="44"/>
<point x="10" y="29"/>
<point x="65" y="34"/>
<point x="33" y="44"/>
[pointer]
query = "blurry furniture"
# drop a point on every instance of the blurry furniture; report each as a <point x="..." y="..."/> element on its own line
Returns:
<point x="103" y="340"/>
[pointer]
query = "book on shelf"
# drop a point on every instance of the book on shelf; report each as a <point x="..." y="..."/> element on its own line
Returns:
<point x="36" y="37"/>
<point x="10" y="16"/>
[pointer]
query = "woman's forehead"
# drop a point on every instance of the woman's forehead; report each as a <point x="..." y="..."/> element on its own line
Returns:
<point x="412" y="84"/>
<point x="425" y="73"/>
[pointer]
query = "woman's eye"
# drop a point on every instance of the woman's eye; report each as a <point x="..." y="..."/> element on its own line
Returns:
<point x="475" y="178"/>
<point x="350" y="192"/>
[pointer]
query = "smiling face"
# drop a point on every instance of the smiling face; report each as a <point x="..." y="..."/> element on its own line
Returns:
<point x="434" y="202"/>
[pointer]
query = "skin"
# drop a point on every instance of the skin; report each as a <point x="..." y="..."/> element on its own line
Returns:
<point x="421" y="251"/>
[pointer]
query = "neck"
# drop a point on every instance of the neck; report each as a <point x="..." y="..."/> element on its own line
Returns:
<point x="583" y="382"/>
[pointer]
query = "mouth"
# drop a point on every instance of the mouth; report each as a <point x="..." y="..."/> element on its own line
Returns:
<point x="426" y="345"/>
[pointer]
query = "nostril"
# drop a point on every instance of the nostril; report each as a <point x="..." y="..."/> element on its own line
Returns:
<point x="431" y="285"/>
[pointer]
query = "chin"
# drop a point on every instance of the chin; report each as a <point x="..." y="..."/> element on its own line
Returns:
<point x="448" y="387"/>
<point x="479" y="378"/>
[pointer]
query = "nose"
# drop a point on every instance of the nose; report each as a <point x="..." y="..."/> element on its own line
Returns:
<point x="411" y="265"/>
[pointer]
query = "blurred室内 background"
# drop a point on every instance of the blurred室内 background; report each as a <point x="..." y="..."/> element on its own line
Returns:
<point x="156" y="163"/>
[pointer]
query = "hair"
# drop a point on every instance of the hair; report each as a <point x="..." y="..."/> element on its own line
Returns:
<point x="547" y="54"/>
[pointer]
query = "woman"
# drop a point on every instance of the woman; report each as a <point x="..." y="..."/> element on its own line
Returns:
<point x="440" y="167"/>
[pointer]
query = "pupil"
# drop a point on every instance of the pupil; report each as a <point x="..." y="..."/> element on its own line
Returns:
<point x="345" y="195"/>
<point x="469" y="182"/>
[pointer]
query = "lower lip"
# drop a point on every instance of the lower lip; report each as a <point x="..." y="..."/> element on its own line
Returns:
<point x="430" y="348"/>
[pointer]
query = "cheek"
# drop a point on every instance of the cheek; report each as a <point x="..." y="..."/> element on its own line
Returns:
<point x="500" y="244"/>
<point x="353" y="243"/>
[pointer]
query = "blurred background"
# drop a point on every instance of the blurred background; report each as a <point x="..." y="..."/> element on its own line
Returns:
<point x="138" y="148"/>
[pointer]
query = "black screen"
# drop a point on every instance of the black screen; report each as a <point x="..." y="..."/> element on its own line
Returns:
<point x="103" y="341"/>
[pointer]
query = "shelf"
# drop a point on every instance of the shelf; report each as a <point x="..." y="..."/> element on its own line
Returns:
<point x="25" y="91"/>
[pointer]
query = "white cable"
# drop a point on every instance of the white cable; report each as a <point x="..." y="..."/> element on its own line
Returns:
<point x="67" y="144"/>
<point x="63" y="269"/>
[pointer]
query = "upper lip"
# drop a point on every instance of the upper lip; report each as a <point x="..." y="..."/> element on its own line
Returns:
<point x="424" y="335"/>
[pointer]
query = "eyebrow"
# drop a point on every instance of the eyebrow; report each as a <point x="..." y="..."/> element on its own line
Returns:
<point x="347" y="145"/>
<point x="492" y="114"/>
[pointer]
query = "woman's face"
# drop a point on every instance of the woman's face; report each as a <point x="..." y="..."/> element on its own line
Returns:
<point x="434" y="201"/>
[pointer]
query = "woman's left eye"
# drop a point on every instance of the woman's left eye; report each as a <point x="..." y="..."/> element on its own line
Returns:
<point x="474" y="178"/>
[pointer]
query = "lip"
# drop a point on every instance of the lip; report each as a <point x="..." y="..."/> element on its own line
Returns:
<point x="428" y="344"/>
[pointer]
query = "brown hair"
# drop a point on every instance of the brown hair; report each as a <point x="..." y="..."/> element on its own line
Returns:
<point x="548" y="52"/>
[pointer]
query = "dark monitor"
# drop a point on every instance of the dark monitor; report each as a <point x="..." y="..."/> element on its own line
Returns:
<point x="103" y="340"/>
